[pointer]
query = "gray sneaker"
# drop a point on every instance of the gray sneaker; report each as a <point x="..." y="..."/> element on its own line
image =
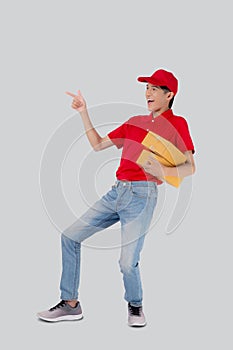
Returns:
<point x="136" y="317"/>
<point x="61" y="312"/>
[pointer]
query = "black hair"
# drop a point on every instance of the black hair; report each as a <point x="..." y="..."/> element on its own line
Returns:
<point x="165" y="89"/>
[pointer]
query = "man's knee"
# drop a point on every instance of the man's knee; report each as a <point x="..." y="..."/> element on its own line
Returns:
<point x="127" y="266"/>
<point x="66" y="240"/>
<point x="72" y="234"/>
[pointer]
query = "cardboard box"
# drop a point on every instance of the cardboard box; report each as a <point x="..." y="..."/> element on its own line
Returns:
<point x="164" y="152"/>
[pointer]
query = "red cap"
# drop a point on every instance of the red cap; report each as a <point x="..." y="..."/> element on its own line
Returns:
<point x="162" y="78"/>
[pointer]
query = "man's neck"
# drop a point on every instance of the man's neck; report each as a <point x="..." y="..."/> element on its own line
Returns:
<point x="157" y="113"/>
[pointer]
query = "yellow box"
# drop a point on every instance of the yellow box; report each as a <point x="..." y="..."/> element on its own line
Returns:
<point x="164" y="152"/>
<point x="164" y="148"/>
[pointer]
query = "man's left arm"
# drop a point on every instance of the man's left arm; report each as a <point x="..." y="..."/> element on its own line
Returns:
<point x="157" y="169"/>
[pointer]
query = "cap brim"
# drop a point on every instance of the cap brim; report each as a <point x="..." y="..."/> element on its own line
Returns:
<point x="155" y="82"/>
<point x="143" y="79"/>
<point x="149" y="80"/>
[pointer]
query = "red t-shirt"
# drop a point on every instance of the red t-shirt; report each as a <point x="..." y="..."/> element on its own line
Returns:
<point x="130" y="134"/>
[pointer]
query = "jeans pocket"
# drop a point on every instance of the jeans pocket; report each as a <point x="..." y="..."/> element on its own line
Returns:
<point x="111" y="195"/>
<point x="142" y="192"/>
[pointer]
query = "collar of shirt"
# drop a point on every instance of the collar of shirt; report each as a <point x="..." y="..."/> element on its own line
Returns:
<point x="167" y="114"/>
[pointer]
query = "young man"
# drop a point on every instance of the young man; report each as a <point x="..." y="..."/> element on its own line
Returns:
<point x="131" y="200"/>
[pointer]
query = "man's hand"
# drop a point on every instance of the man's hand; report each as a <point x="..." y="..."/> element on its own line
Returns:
<point x="159" y="170"/>
<point x="78" y="101"/>
<point x="153" y="167"/>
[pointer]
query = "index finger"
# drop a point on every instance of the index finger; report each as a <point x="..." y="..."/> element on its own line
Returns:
<point x="70" y="94"/>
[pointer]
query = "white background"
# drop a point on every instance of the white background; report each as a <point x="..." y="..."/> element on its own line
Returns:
<point x="49" y="47"/>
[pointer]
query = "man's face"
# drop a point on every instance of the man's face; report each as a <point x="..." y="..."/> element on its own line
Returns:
<point x="156" y="98"/>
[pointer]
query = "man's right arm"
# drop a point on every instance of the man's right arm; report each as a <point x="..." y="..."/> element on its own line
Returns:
<point x="97" y="142"/>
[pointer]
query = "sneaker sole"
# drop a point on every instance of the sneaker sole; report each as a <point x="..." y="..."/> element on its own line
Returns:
<point x="136" y="325"/>
<point x="61" y="318"/>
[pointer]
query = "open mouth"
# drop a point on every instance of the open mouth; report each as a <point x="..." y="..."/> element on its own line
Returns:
<point x="150" y="101"/>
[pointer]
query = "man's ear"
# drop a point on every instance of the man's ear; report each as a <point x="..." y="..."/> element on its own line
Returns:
<point x="170" y="95"/>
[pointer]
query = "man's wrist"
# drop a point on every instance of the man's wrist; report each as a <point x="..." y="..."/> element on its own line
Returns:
<point x="83" y="111"/>
<point x="166" y="170"/>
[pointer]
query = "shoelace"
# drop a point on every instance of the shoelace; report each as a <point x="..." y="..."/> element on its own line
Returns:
<point x="135" y="310"/>
<point x="61" y="304"/>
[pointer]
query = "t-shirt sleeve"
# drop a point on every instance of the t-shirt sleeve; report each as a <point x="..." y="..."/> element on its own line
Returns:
<point x="118" y="135"/>
<point x="184" y="140"/>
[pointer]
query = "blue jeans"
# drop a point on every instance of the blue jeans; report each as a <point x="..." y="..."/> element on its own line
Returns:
<point x="130" y="202"/>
